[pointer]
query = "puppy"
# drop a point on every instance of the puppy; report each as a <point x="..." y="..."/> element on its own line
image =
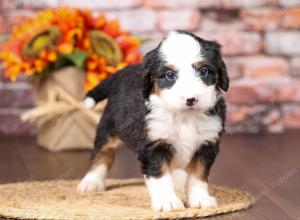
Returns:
<point x="170" y="111"/>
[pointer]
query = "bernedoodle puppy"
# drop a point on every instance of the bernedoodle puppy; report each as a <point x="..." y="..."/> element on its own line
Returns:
<point x="170" y="111"/>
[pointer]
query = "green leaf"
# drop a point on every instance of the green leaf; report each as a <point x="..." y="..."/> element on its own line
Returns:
<point x="77" y="58"/>
<point x="61" y="62"/>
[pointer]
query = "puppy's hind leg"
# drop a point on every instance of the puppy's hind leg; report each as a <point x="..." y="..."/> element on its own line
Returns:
<point x="104" y="157"/>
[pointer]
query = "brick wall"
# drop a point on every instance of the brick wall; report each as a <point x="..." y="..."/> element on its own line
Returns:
<point x="260" y="38"/>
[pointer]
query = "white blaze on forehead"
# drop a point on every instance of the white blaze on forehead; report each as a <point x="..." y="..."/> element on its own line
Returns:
<point x="179" y="48"/>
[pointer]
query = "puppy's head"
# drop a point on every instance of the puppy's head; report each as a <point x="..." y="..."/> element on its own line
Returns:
<point x="185" y="72"/>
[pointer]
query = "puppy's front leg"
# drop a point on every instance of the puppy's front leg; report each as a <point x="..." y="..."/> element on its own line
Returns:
<point x="162" y="193"/>
<point x="198" y="171"/>
<point x="155" y="160"/>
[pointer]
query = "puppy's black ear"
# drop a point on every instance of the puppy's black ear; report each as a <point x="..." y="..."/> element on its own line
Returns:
<point x="223" y="76"/>
<point x="212" y="51"/>
<point x="151" y="60"/>
<point x="147" y="83"/>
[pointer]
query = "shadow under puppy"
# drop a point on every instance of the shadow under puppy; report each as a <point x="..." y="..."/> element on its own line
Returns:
<point x="169" y="110"/>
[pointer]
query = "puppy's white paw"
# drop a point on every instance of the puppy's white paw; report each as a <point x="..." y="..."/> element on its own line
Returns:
<point x="91" y="184"/>
<point x="89" y="102"/>
<point x="206" y="201"/>
<point x="167" y="203"/>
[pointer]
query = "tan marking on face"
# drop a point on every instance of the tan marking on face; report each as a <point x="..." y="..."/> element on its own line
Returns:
<point x="107" y="153"/>
<point x="158" y="143"/>
<point x="172" y="67"/>
<point x="197" y="65"/>
<point x="197" y="168"/>
<point x="156" y="89"/>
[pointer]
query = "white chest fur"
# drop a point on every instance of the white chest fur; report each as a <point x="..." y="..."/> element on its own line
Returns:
<point x="186" y="131"/>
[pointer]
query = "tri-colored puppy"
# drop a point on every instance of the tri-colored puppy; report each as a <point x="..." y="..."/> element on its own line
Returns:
<point x="169" y="110"/>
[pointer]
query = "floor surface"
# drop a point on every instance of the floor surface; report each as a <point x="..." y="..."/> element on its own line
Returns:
<point x="266" y="165"/>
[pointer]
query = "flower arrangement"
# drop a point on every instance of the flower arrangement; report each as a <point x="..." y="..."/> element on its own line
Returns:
<point x="61" y="37"/>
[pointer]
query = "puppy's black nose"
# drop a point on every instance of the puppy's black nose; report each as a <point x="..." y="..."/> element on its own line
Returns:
<point x="191" y="101"/>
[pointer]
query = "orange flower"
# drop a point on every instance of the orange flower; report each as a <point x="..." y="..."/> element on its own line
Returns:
<point x="49" y="55"/>
<point x="52" y="56"/>
<point x="99" y="22"/>
<point x="112" y="28"/>
<point x="72" y="28"/>
<point x="128" y="43"/>
<point x="39" y="65"/>
<point x="28" y="69"/>
<point x="133" y="57"/>
<point x="65" y="48"/>
<point x="92" y="79"/>
<point x="13" y="72"/>
<point x="74" y="34"/>
<point x="91" y="65"/>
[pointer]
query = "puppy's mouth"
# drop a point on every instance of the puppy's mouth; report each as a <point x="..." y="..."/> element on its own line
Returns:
<point x="189" y="108"/>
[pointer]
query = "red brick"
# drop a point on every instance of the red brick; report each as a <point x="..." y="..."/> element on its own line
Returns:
<point x="272" y="121"/>
<point x="250" y="92"/>
<point x="33" y="4"/>
<point x="286" y="43"/>
<point x="11" y="19"/>
<point x="183" y="19"/>
<point x="257" y="118"/>
<point x="295" y="66"/>
<point x="235" y="42"/>
<point x="151" y="41"/>
<point x="134" y="20"/>
<point x="182" y="3"/>
<point x="261" y="66"/>
<point x="288" y="91"/>
<point x="6" y="5"/>
<point x="40" y="4"/>
<point x="268" y="90"/>
<point x="254" y="119"/>
<point x="234" y="67"/>
<point x="11" y="123"/>
<point x="272" y="118"/>
<point x="245" y="119"/>
<point x="256" y="66"/>
<point x="247" y="4"/>
<point x="103" y="4"/>
<point x="238" y="114"/>
<point x="16" y="96"/>
<point x="291" y="116"/>
<point x="17" y="17"/>
<point x="221" y="20"/>
<point x="289" y="3"/>
<point x="261" y="19"/>
<point x="4" y="25"/>
<point x="291" y="18"/>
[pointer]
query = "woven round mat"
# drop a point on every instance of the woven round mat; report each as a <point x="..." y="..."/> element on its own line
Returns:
<point x="124" y="199"/>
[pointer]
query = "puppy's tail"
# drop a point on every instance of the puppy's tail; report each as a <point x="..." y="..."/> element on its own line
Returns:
<point x="100" y="92"/>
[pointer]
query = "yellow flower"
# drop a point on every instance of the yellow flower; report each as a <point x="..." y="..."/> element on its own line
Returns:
<point x="65" y="48"/>
<point x="52" y="56"/>
<point x="92" y="79"/>
<point x="39" y="65"/>
<point x="13" y="73"/>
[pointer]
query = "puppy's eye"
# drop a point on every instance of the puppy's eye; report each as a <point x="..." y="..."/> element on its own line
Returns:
<point x="204" y="71"/>
<point x="170" y="76"/>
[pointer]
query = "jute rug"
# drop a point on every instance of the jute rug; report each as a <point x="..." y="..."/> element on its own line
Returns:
<point x="124" y="199"/>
